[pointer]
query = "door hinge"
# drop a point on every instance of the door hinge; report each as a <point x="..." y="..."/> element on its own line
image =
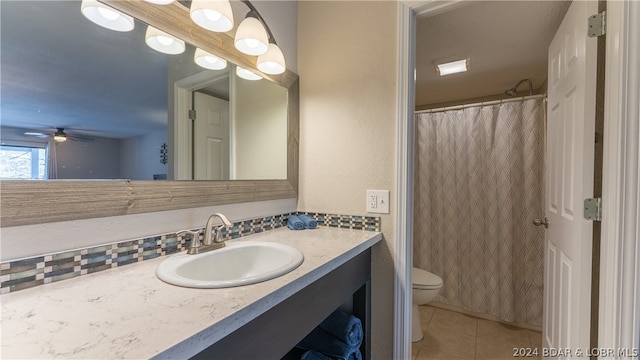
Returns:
<point x="192" y="114"/>
<point x="593" y="209"/>
<point x="597" y="25"/>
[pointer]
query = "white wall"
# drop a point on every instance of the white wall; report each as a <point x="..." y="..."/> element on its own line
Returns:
<point x="140" y="156"/>
<point x="259" y="130"/>
<point x="347" y="66"/>
<point x="95" y="159"/>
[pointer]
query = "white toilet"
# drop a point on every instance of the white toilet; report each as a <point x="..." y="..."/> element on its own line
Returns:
<point x="426" y="287"/>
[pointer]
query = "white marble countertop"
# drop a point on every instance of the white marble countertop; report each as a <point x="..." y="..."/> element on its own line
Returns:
<point x="127" y="312"/>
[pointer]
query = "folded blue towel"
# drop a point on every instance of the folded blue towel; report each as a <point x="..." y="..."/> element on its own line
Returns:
<point x="309" y="223"/>
<point x="345" y="327"/>
<point x="294" y="223"/>
<point x="329" y="345"/>
<point x="314" y="355"/>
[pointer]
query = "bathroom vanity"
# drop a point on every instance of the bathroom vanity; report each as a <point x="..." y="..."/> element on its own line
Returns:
<point x="128" y="312"/>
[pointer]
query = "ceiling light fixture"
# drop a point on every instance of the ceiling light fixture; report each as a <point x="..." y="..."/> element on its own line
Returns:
<point x="453" y="67"/>
<point x="106" y="16"/>
<point x="208" y="60"/>
<point x="214" y="15"/>
<point x="246" y="74"/>
<point x="60" y="135"/>
<point x="161" y="41"/>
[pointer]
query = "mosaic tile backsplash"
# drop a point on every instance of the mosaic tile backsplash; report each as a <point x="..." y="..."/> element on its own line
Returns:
<point x="27" y="273"/>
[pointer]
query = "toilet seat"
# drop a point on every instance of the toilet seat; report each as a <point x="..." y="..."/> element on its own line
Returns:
<point x="424" y="280"/>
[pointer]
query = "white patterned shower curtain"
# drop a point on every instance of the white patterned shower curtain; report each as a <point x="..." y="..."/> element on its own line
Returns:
<point x="479" y="183"/>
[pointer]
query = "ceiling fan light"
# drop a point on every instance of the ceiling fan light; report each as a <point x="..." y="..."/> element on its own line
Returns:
<point x="208" y="60"/>
<point x="214" y="15"/>
<point x="272" y="62"/>
<point x="246" y="74"/>
<point x="453" y="67"/>
<point x="161" y="41"/>
<point x="106" y="16"/>
<point x="60" y="136"/>
<point x="251" y="37"/>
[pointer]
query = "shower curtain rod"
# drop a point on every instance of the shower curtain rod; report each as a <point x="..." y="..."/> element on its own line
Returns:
<point x="484" y="103"/>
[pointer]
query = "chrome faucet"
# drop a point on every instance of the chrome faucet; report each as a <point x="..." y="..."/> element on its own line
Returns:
<point x="217" y="237"/>
<point x="211" y="239"/>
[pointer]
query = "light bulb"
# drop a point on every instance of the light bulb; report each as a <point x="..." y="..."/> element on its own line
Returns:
<point x="214" y="15"/>
<point x="208" y="60"/>
<point x="108" y="13"/>
<point x="163" y="42"/>
<point x="272" y="62"/>
<point x="251" y="37"/>
<point x="105" y="16"/>
<point x="246" y="74"/>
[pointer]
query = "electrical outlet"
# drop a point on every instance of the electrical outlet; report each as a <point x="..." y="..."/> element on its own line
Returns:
<point x="378" y="201"/>
<point x="373" y="201"/>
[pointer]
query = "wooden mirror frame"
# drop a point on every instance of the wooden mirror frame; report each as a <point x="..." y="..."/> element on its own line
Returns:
<point x="34" y="202"/>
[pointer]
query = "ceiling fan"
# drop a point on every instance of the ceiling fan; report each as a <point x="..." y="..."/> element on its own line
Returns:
<point x="59" y="136"/>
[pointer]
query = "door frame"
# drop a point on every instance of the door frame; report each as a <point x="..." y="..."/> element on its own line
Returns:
<point x="180" y="137"/>
<point x="619" y="318"/>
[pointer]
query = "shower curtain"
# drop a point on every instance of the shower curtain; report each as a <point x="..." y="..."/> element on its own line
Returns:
<point x="479" y="183"/>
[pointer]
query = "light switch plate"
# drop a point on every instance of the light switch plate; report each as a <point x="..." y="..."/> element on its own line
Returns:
<point x="378" y="201"/>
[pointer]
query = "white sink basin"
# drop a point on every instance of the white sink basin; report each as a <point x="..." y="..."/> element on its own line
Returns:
<point x="238" y="263"/>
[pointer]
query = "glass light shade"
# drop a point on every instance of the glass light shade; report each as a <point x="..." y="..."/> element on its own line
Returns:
<point x="208" y="60"/>
<point x="214" y="15"/>
<point x="161" y="41"/>
<point x="251" y="37"/>
<point x="246" y="74"/>
<point x="106" y="16"/>
<point x="160" y="2"/>
<point x="272" y="62"/>
<point x="60" y="136"/>
<point x="453" y="67"/>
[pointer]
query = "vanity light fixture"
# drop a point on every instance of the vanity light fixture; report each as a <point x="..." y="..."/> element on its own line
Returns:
<point x="208" y="60"/>
<point x="251" y="36"/>
<point x="214" y="15"/>
<point x="161" y="41"/>
<point x="246" y="74"/>
<point x="106" y="16"/>
<point x="453" y="67"/>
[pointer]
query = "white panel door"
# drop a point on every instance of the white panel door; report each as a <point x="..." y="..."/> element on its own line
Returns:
<point x="210" y="138"/>
<point x="570" y="152"/>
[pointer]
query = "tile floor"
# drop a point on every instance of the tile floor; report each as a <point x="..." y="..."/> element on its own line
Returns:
<point x="452" y="335"/>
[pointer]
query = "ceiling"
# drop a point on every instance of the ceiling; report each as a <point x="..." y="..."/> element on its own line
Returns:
<point x="50" y="82"/>
<point x="59" y="69"/>
<point x="506" y="41"/>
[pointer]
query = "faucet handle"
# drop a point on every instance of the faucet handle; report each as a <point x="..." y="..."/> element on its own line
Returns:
<point x="196" y="236"/>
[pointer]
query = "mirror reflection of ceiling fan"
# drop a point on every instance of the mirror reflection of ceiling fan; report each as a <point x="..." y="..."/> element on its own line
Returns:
<point x="59" y="136"/>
